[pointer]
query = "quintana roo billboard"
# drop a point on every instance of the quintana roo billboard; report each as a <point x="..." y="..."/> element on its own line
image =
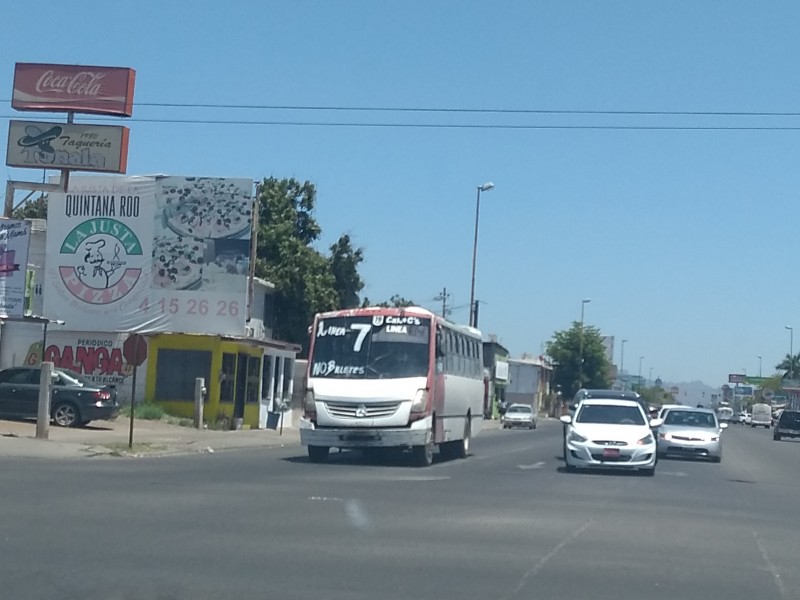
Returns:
<point x="149" y="254"/>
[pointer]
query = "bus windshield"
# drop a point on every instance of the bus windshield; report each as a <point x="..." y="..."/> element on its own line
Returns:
<point x="371" y="347"/>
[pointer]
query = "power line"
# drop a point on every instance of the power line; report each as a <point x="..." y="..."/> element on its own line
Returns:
<point x="444" y="125"/>
<point x="468" y="110"/>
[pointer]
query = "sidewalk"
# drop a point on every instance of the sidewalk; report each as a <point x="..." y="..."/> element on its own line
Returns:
<point x="150" y="438"/>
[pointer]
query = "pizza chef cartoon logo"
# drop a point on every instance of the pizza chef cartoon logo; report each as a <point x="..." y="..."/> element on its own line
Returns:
<point x="94" y="258"/>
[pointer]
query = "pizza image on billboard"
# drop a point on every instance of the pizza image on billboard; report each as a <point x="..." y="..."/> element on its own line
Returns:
<point x="206" y="207"/>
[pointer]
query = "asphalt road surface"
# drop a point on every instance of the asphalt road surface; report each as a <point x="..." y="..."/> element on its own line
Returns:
<point x="506" y="523"/>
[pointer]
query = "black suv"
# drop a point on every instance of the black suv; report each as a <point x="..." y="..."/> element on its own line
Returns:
<point x="788" y="425"/>
<point x="75" y="400"/>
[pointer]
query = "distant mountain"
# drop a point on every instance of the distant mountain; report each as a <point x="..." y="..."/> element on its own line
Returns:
<point x="692" y="392"/>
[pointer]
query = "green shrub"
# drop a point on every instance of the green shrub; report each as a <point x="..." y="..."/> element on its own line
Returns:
<point x="149" y="412"/>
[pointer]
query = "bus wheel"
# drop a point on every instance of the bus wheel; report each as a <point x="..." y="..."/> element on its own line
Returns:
<point x="461" y="447"/>
<point x="422" y="456"/>
<point x="318" y="454"/>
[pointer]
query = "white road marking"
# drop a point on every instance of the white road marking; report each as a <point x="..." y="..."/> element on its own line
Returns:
<point x="545" y="559"/>
<point x="537" y="465"/>
<point x="773" y="570"/>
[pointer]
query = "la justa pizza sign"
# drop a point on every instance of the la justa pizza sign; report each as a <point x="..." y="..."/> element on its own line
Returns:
<point x="93" y="261"/>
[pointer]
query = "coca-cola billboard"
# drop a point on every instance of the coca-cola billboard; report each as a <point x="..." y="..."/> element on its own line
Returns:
<point x="73" y="88"/>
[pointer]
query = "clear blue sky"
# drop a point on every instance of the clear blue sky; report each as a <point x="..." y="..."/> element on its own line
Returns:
<point x="683" y="239"/>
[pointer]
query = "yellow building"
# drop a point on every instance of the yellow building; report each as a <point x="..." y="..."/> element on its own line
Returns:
<point x="248" y="381"/>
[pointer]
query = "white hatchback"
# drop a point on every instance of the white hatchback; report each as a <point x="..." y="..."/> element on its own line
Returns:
<point x="610" y="434"/>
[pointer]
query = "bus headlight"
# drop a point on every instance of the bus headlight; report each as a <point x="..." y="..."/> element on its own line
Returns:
<point x="420" y="402"/>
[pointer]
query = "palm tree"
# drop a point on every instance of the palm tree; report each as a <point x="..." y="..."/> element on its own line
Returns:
<point x="790" y="364"/>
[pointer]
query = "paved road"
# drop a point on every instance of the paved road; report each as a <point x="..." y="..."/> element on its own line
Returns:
<point x="502" y="525"/>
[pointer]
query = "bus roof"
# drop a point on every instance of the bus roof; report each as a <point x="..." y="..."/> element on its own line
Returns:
<point x="368" y="311"/>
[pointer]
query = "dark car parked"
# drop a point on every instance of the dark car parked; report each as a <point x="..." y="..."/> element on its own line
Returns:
<point x="788" y="425"/>
<point x="75" y="400"/>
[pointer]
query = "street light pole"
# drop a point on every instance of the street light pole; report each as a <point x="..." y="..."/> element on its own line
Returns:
<point x="481" y="188"/>
<point x="791" y="351"/>
<point x="759" y="366"/>
<point x="622" y="364"/>
<point x="641" y="358"/>
<point x="584" y="302"/>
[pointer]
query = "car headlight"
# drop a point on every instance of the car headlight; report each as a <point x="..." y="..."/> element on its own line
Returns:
<point x="420" y="402"/>
<point x="575" y="437"/>
<point x="646" y="440"/>
<point x="714" y="438"/>
<point x="665" y="436"/>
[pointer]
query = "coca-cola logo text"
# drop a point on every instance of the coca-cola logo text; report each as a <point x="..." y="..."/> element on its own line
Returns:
<point x="85" y="83"/>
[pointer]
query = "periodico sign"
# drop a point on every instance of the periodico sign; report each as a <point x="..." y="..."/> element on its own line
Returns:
<point x="134" y="349"/>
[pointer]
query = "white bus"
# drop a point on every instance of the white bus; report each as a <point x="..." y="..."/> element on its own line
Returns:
<point x="392" y="378"/>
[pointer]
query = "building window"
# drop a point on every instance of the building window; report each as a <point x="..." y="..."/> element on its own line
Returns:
<point x="253" y="378"/>
<point x="227" y="379"/>
<point x="176" y="371"/>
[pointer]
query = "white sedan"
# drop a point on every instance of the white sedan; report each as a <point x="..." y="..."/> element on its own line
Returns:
<point x="610" y="434"/>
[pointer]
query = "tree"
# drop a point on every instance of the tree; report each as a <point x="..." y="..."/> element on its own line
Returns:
<point x="396" y="301"/>
<point x="790" y="364"/>
<point x="304" y="283"/>
<point x="565" y="350"/>
<point x="344" y="261"/>
<point x="35" y="209"/>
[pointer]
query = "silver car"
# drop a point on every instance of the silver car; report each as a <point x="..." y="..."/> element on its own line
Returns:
<point x="519" y="415"/>
<point x="691" y="432"/>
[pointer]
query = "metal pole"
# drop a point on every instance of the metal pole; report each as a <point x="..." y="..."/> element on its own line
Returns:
<point x="474" y="259"/>
<point x="759" y="366"/>
<point x="791" y="352"/>
<point x="133" y="406"/>
<point x="199" y="394"/>
<point x="622" y="365"/>
<point x="45" y="391"/>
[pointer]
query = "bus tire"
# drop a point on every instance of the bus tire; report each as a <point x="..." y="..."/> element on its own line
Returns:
<point x="422" y="455"/>
<point x="318" y="454"/>
<point x="461" y="447"/>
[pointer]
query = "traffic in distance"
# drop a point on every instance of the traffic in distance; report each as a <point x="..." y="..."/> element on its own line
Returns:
<point x="406" y="379"/>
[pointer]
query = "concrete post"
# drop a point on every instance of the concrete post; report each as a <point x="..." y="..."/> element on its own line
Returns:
<point x="45" y="390"/>
<point x="199" y="396"/>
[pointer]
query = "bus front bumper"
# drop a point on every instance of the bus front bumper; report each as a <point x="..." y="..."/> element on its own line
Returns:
<point x="418" y="434"/>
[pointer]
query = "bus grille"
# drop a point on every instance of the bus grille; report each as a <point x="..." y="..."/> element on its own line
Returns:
<point x="360" y="410"/>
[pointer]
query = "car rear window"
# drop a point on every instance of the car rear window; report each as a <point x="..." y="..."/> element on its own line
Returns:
<point x="610" y="414"/>
<point x="688" y="418"/>
<point x="790" y="419"/>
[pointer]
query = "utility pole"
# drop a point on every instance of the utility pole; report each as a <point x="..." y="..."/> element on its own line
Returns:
<point x="443" y="298"/>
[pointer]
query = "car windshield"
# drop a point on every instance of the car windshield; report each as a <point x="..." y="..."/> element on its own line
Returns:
<point x="374" y="347"/>
<point x="610" y="414"/>
<point x="519" y="409"/>
<point x="686" y="418"/>
<point x="790" y="419"/>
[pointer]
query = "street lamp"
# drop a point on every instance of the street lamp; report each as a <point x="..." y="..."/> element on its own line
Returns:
<point x="641" y="358"/>
<point x="791" y="350"/>
<point x="650" y="379"/>
<point x="584" y="302"/>
<point x="759" y="366"/>
<point x="622" y="365"/>
<point x="481" y="188"/>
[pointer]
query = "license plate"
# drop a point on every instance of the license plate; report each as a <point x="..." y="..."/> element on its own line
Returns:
<point x="359" y="436"/>
<point x="610" y="452"/>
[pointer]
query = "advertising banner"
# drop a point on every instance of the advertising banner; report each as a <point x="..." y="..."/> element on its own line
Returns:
<point x="73" y="88"/>
<point x="15" y="239"/>
<point x="37" y="145"/>
<point x="99" y="357"/>
<point x="143" y="254"/>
